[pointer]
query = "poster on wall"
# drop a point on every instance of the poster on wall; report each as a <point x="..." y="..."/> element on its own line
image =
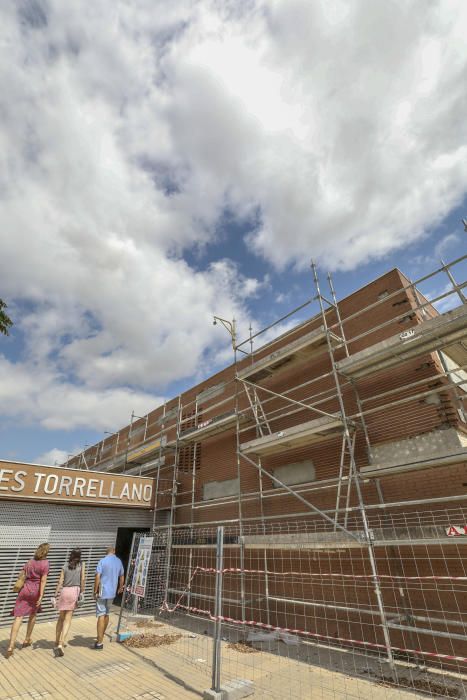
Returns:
<point x="140" y="573"/>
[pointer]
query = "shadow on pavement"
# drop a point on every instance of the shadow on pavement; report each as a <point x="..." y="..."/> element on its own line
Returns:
<point x="81" y="641"/>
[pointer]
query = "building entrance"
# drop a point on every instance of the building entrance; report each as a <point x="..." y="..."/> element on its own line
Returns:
<point x="67" y="508"/>
<point x="123" y="548"/>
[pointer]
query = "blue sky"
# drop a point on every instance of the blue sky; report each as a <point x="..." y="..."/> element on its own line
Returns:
<point x="284" y="292"/>
<point x="165" y="163"/>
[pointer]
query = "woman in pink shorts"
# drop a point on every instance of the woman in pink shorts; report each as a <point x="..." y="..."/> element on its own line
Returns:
<point x="69" y="587"/>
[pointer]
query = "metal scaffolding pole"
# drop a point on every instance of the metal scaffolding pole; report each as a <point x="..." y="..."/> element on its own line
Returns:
<point x="353" y="470"/>
<point x="216" y="647"/>
<point x="172" y="502"/>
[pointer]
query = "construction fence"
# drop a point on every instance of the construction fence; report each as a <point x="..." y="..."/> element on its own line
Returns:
<point x="306" y="606"/>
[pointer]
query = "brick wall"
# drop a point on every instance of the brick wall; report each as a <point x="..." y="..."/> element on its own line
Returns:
<point x="216" y="459"/>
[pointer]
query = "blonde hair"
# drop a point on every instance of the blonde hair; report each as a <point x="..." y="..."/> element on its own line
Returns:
<point x="42" y="551"/>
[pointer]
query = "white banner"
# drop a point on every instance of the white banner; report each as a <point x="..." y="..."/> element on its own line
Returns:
<point x="140" y="573"/>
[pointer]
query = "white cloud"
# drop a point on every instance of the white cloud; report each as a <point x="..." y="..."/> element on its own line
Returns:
<point x="52" y="457"/>
<point x="32" y="394"/>
<point x="448" y="302"/>
<point x="128" y="131"/>
<point x="341" y="123"/>
<point x="447" y="244"/>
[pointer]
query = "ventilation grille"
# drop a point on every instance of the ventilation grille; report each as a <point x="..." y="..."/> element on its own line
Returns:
<point x="189" y="455"/>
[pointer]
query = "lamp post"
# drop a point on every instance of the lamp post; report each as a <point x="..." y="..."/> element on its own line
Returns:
<point x="230" y="327"/>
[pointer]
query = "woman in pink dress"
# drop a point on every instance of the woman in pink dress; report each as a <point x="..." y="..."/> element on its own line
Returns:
<point x="28" y="602"/>
<point x="70" y="585"/>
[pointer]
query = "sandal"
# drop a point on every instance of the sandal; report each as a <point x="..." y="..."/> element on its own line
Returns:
<point x="26" y="643"/>
<point x="9" y="652"/>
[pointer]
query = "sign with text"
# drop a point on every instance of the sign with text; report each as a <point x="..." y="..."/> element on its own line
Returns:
<point x="32" y="482"/>
<point x="140" y="574"/>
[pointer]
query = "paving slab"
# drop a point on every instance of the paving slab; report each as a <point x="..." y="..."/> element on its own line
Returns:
<point x="82" y="673"/>
<point x="179" y="671"/>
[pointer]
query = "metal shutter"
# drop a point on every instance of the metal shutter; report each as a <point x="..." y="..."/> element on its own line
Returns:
<point x="23" y="526"/>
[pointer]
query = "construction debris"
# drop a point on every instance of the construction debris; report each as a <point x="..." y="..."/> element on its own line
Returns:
<point x="144" y="641"/>
<point x="149" y="624"/>
<point x="427" y="686"/>
<point x="243" y="647"/>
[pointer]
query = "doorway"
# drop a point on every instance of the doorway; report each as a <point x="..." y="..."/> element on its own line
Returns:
<point x="123" y="548"/>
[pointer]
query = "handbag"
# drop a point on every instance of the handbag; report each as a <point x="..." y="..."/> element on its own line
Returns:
<point x="20" y="581"/>
<point x="80" y="600"/>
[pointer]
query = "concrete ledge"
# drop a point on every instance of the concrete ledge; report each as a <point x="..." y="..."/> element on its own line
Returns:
<point x="380" y="470"/>
<point x="233" y="690"/>
<point x="435" y="444"/>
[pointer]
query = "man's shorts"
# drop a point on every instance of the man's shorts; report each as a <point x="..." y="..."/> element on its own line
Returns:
<point x="103" y="606"/>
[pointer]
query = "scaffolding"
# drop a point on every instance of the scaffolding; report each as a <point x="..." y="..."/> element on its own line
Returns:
<point x="395" y="361"/>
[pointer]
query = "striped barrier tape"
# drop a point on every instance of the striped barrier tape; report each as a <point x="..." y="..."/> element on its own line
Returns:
<point x="305" y="633"/>
<point x="211" y="570"/>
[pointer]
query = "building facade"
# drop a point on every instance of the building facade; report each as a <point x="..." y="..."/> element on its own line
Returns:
<point x="335" y="457"/>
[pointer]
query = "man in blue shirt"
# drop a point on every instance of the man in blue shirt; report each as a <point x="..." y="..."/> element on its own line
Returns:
<point x="109" y="578"/>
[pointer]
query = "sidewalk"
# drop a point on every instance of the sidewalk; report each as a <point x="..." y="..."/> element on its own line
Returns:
<point x="180" y="671"/>
<point x="115" y="673"/>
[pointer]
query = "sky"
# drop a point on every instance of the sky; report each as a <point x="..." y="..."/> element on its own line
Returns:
<point x="164" y="162"/>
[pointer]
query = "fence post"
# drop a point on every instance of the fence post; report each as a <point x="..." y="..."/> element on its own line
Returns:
<point x="124" y="594"/>
<point x="216" y="647"/>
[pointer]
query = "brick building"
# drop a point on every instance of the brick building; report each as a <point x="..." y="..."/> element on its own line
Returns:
<point x="335" y="456"/>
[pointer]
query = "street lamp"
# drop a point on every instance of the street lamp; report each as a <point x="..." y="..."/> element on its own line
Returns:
<point x="230" y="327"/>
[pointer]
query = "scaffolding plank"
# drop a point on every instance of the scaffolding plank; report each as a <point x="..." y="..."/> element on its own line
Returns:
<point x="304" y="540"/>
<point x="306" y="543"/>
<point x="304" y="434"/>
<point x="299" y="350"/>
<point x="143" y="452"/>
<point x="380" y="537"/>
<point x="146" y="466"/>
<point x="212" y="426"/>
<point x="457" y="352"/>
<point x="447" y="332"/>
<point x="110" y="465"/>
